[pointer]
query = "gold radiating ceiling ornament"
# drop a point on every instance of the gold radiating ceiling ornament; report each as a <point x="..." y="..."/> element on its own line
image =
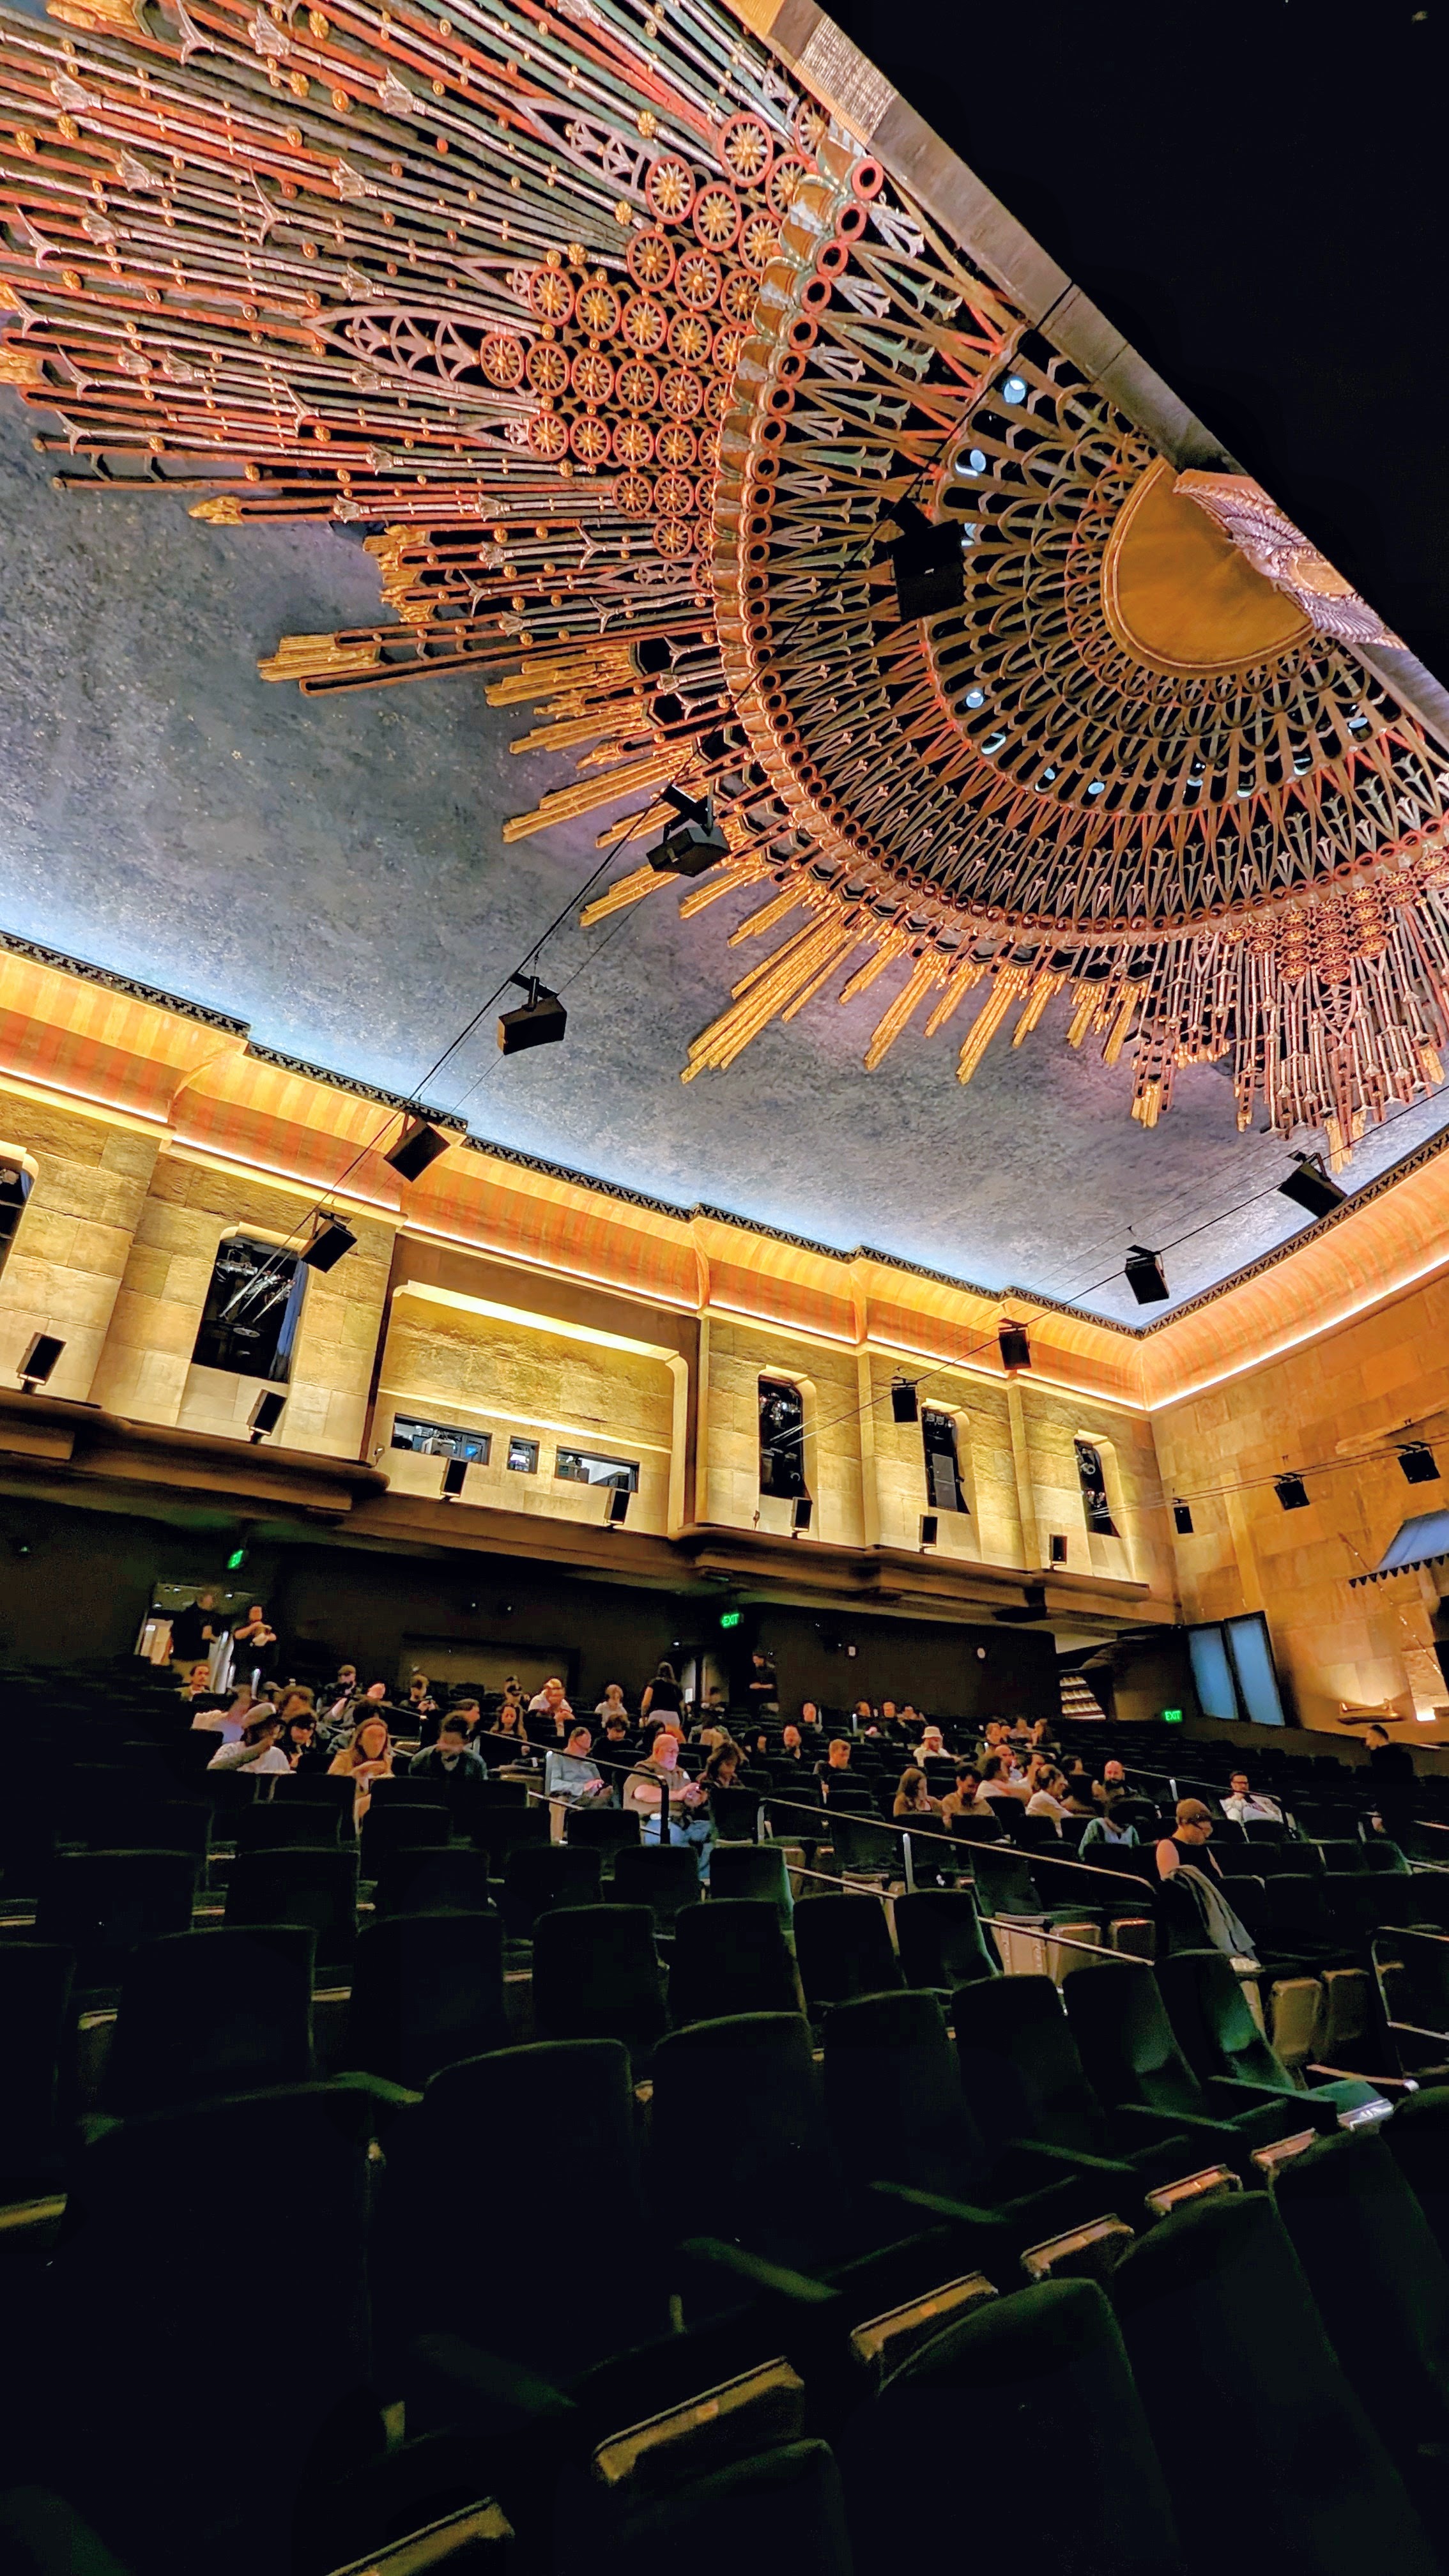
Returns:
<point x="624" y="346"/>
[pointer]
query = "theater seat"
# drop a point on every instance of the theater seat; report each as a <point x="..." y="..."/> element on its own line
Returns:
<point x="748" y="1873"/>
<point x="36" y="1978"/>
<point x="1215" y="2028"/>
<point x="101" y="1903"/>
<point x="1051" y="2360"/>
<point x="427" y="1991"/>
<point x="539" y="1877"/>
<point x="1022" y="2077"/>
<point x="433" y="1882"/>
<point x="1270" y="2460"/>
<point x="1136" y="2068"/>
<point x="316" y="1887"/>
<point x="941" y="1940"/>
<point x="204" y="2014"/>
<point x="731" y="1957"/>
<point x="781" y="2508"/>
<point x="596" y="1975"/>
<point x="663" y="1877"/>
<point x="843" y="1946"/>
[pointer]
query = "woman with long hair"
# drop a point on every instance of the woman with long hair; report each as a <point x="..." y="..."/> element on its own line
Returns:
<point x="663" y="1695"/>
<point x="367" y="1758"/>
<point x="912" y="1797"/>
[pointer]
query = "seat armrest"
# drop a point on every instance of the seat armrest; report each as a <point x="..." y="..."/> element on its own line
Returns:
<point x="1237" y="2091"/>
<point x="1074" y="2160"/>
<point x="1354" y="2074"/>
<point x="1219" y="2132"/>
<point x="1416" y="2030"/>
<point x="450" y="2381"/>
<point x="754" y="2271"/>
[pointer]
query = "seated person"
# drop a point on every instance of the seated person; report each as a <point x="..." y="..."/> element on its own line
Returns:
<point x="454" y="1758"/>
<point x="612" y="1704"/>
<point x="1112" y="1825"/>
<point x="965" y="1799"/>
<point x="1047" y="1798"/>
<point x="227" y="1722"/>
<point x="569" y="1775"/>
<point x="657" y="1782"/>
<point x="420" y="1705"/>
<point x="1187" y="1845"/>
<point x="1044" y="1737"/>
<point x="367" y="1758"/>
<point x="836" y="1765"/>
<point x="1247" y="1806"/>
<point x="256" y="1748"/>
<point x="549" y="1716"/>
<point x="791" y="1747"/>
<point x="615" y="1749"/>
<point x="932" y="1746"/>
<point x="505" y="1740"/>
<point x="912" y="1798"/>
<point x="996" y="1788"/>
<point x="299" y="1743"/>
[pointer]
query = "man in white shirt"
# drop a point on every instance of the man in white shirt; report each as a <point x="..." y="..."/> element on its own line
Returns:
<point x="256" y="1748"/>
<point x="1245" y="1807"/>
<point x="551" y="1698"/>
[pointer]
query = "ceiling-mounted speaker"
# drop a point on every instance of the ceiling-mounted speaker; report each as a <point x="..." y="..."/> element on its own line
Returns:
<point x="1417" y="1464"/>
<point x="1310" y="1187"/>
<point x="419" y="1145"/>
<point x="1015" y="1347"/>
<point x="1292" y="1493"/>
<point x="926" y="562"/>
<point x="331" y="1240"/>
<point x="693" y="844"/>
<point x="1182" y="1520"/>
<point x="540" y="1021"/>
<point x="1145" y="1275"/>
<point x="266" y="1413"/>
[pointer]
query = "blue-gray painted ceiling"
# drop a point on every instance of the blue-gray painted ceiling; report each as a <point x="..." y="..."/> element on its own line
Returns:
<point x="333" y="871"/>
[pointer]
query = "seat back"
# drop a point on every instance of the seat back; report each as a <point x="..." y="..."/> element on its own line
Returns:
<point x="316" y="1887"/>
<point x="731" y="1957"/>
<point x="101" y="1903"/>
<point x="660" y="1876"/>
<point x="277" y="1825"/>
<point x="542" y="2122"/>
<point x="36" y="1978"/>
<point x="539" y="1877"/>
<point x="1119" y="2022"/>
<point x="427" y="1991"/>
<point x="864" y="1848"/>
<point x="738" y="2099"/>
<point x="1232" y="2362"/>
<point x="735" y="1814"/>
<point x="1380" y="2281"/>
<point x="940" y="1938"/>
<point x="1051" y="2357"/>
<point x="596" y="1975"/>
<point x="503" y="1830"/>
<point x="1021" y="2072"/>
<point x="1212" y="2022"/>
<point x="843" y="1946"/>
<point x="893" y="2094"/>
<point x="751" y="1872"/>
<point x="429" y="1881"/>
<point x="779" y="2506"/>
<point x="606" y="1830"/>
<point x="327" y="1799"/>
<point x="205" y="2014"/>
<point x="414" y="1822"/>
<point x="1004" y="1884"/>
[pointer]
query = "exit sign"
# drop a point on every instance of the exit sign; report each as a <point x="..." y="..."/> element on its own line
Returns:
<point x="1172" y="1717"/>
<point x="730" y="1618"/>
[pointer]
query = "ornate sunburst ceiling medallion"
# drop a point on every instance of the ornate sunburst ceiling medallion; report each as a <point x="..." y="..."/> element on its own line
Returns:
<point x="624" y="348"/>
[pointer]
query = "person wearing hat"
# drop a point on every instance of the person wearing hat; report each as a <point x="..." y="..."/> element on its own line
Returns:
<point x="1187" y="1844"/>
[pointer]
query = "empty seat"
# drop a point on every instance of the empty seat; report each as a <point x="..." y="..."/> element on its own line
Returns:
<point x="731" y="1957"/>
<point x="1135" y="2066"/>
<point x="429" y="1881"/>
<point x="1270" y="2460"/>
<point x="596" y="1975"/>
<point x="779" y="2506"/>
<point x="36" y="1978"/>
<point x="552" y="2127"/>
<point x="427" y="1991"/>
<point x="275" y="1824"/>
<point x="735" y="1814"/>
<point x="663" y="1877"/>
<point x="1051" y="2359"/>
<point x="1382" y="2287"/>
<point x="414" y="1822"/>
<point x="503" y="1830"/>
<point x="315" y="1886"/>
<point x="843" y="1946"/>
<point x="101" y="1903"/>
<point x="606" y="1830"/>
<point x="1214" y="2026"/>
<point x="750" y="1871"/>
<point x="538" y="1878"/>
<point x="203" y="2014"/>
<point x="940" y="1939"/>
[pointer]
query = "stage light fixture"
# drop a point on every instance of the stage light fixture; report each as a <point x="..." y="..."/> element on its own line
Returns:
<point x="616" y="1510"/>
<point x="419" y="1144"/>
<point x="1292" y="1493"/>
<point x="1145" y="1275"/>
<point x="540" y="1021"/>
<point x="695" y="842"/>
<point x="926" y="563"/>
<point x="1015" y="1347"/>
<point x="1310" y="1187"/>
<point x="1182" y="1520"/>
<point x="265" y="1414"/>
<point x="904" y="1407"/>
<point x="455" y="1476"/>
<point x="1417" y="1464"/>
<point x="800" y="1511"/>
<point x="930" y="1529"/>
<point x="331" y="1239"/>
<point x="42" y="1352"/>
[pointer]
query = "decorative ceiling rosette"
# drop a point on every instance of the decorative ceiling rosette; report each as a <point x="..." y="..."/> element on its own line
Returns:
<point x="622" y="350"/>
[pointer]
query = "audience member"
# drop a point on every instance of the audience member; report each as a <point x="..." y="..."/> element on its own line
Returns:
<point x="862" y="1718"/>
<point x="932" y="1746"/>
<point x="226" y="1722"/>
<point x="1387" y="1761"/>
<point x="615" y="1748"/>
<point x="657" y="1783"/>
<point x="836" y="1765"/>
<point x="762" y="1690"/>
<point x="549" y="1716"/>
<point x="1250" y="1806"/>
<point x="197" y="1685"/>
<point x="791" y="1746"/>
<point x="454" y="1759"/>
<point x="1112" y="1826"/>
<point x="965" y="1799"/>
<point x="256" y="1748"/>
<point x="912" y="1797"/>
<point x="568" y="1773"/>
<point x="1187" y="1846"/>
<point x="254" y="1647"/>
<point x="1044" y="1737"/>
<point x="299" y="1743"/>
<point x="1046" y="1797"/>
<point x="420" y="1705"/>
<point x="995" y="1785"/>
<point x="662" y="1696"/>
<point x="612" y="1704"/>
<point x="195" y="1630"/>
<point x="366" y="1758"/>
<point x="811" y="1729"/>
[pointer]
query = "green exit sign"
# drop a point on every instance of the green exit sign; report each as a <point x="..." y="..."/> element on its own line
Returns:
<point x="1172" y="1717"/>
<point x="237" y="1559"/>
<point x="730" y="1618"/>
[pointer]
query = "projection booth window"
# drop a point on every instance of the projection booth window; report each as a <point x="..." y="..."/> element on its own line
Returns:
<point x="944" y="1489"/>
<point x="782" y="1439"/>
<point x="1091" y="1476"/>
<point x="249" y="1321"/>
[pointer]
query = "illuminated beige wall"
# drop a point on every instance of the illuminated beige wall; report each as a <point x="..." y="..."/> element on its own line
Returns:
<point x="68" y="1259"/>
<point x="736" y="1356"/>
<point x="1340" y="1649"/>
<point x="989" y="1530"/>
<point x="146" y="1368"/>
<point x="462" y="1363"/>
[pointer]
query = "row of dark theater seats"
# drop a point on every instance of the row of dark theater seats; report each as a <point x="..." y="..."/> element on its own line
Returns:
<point x="706" y="2264"/>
